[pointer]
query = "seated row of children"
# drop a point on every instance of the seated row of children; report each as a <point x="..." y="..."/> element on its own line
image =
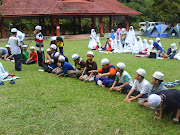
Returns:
<point x="109" y="76"/>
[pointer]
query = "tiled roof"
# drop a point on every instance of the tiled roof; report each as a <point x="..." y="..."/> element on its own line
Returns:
<point x="60" y="7"/>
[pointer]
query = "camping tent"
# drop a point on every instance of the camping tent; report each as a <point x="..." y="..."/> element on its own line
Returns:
<point x="160" y="30"/>
<point x="148" y="31"/>
<point x="174" y="32"/>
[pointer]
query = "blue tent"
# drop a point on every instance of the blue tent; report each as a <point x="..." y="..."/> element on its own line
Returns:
<point x="160" y="30"/>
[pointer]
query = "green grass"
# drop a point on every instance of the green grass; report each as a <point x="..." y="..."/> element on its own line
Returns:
<point x="40" y="103"/>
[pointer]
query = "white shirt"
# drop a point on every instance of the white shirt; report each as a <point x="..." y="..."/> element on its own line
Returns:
<point x="14" y="45"/>
<point x="142" y="87"/>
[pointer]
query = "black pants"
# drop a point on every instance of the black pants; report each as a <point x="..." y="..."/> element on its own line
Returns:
<point x="40" y="58"/>
<point x="18" y="59"/>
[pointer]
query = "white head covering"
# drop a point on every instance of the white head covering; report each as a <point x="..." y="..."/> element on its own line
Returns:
<point x="56" y="54"/>
<point x="154" y="100"/>
<point x="93" y="33"/>
<point x="38" y="27"/>
<point x="13" y="30"/>
<point x="53" y="38"/>
<point x="32" y="47"/>
<point x="121" y="65"/>
<point x="173" y="47"/>
<point x="48" y="50"/>
<point x="141" y="72"/>
<point x="8" y="45"/>
<point x="53" y="46"/>
<point x="158" y="75"/>
<point x="104" y="61"/>
<point x="118" y="74"/>
<point x="25" y="46"/>
<point x="139" y="43"/>
<point x="145" y="44"/>
<point x="90" y="52"/>
<point x="75" y="56"/>
<point x="131" y="36"/>
<point x="123" y="31"/>
<point x="61" y="58"/>
<point x="158" y="39"/>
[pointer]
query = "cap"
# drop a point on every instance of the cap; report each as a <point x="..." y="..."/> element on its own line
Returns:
<point x="56" y="54"/>
<point x="90" y="52"/>
<point x="24" y="46"/>
<point x="173" y="45"/>
<point x="61" y="58"/>
<point x="121" y="65"/>
<point x="157" y="39"/>
<point x="8" y="45"/>
<point x="75" y="56"/>
<point x="104" y="61"/>
<point x="38" y="27"/>
<point x="32" y="47"/>
<point x="118" y="74"/>
<point x="48" y="50"/>
<point x="13" y="30"/>
<point x="141" y="72"/>
<point x="53" y="38"/>
<point x="154" y="100"/>
<point x="53" y="46"/>
<point x="158" y="75"/>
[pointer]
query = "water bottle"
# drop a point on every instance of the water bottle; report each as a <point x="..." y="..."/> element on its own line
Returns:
<point x="157" y="55"/>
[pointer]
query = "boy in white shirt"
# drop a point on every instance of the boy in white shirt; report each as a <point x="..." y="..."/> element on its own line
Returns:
<point x="15" y="46"/>
<point x="140" y="87"/>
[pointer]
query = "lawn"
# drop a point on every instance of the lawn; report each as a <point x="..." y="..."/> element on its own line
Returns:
<point x="40" y="103"/>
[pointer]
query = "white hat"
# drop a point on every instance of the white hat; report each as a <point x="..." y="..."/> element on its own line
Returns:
<point x="13" y="30"/>
<point x="32" y="47"/>
<point x="75" y="56"/>
<point x="38" y="27"/>
<point x="24" y="46"/>
<point x="157" y="39"/>
<point x="48" y="50"/>
<point x="158" y="75"/>
<point x="53" y="46"/>
<point x="141" y="72"/>
<point x="121" y="65"/>
<point x="154" y="100"/>
<point x="56" y="54"/>
<point x="61" y="58"/>
<point x="8" y="45"/>
<point x="53" y="38"/>
<point x="118" y="74"/>
<point x="104" y="61"/>
<point x="90" y="52"/>
<point x="173" y="46"/>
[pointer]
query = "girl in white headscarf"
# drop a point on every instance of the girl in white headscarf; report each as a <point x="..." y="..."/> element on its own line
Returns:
<point x="3" y="73"/>
<point x="138" y="45"/>
<point x="171" y="51"/>
<point x="145" y="46"/>
<point x="93" y="40"/>
<point x="131" y="36"/>
<point x="150" y="46"/>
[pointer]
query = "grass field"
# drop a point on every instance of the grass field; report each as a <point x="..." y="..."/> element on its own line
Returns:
<point x="40" y="103"/>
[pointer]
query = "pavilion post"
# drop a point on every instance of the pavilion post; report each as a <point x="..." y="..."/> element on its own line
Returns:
<point x="110" y="22"/>
<point x="79" y="21"/>
<point x="3" y="33"/>
<point x="57" y="26"/>
<point x="74" y="25"/>
<point x="101" y="25"/>
<point x="92" y="19"/>
<point x="52" y="25"/>
<point x="127" y="22"/>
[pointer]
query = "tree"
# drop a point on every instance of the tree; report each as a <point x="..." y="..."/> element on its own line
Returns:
<point x="166" y="11"/>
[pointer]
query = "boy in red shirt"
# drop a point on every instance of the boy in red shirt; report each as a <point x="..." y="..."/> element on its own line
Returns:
<point x="33" y="56"/>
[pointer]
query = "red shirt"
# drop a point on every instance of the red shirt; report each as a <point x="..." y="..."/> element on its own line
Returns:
<point x="34" y="55"/>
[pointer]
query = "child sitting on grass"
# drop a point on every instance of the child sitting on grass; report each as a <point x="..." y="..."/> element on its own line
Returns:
<point x="107" y="70"/>
<point x="33" y="56"/>
<point x="124" y="77"/>
<point x="64" y="66"/>
<point x="9" y="55"/>
<point x="79" y="64"/>
<point x="156" y="86"/>
<point x="171" y="51"/>
<point x="167" y="101"/>
<point x="90" y="65"/>
<point x="140" y="87"/>
<point x="25" y="54"/>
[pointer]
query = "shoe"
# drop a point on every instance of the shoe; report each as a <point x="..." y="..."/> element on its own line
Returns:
<point x="170" y="85"/>
<point x="1" y="83"/>
<point x="12" y="82"/>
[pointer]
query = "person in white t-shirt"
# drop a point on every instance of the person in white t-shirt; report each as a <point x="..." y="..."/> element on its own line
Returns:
<point x="15" y="46"/>
<point x="140" y="87"/>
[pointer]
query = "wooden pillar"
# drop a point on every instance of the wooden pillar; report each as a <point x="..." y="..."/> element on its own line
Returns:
<point x="52" y="25"/>
<point x="79" y="26"/>
<point x="93" y="25"/>
<point x="3" y="33"/>
<point x="127" y="22"/>
<point x="101" y="25"/>
<point x="74" y="25"/>
<point x="57" y="26"/>
<point x="40" y="20"/>
<point x="110" y="22"/>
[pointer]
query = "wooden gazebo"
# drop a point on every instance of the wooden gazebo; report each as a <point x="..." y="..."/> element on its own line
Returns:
<point x="57" y="8"/>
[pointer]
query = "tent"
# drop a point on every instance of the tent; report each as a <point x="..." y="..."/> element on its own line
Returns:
<point x="160" y="30"/>
<point x="148" y="31"/>
<point x="174" y="32"/>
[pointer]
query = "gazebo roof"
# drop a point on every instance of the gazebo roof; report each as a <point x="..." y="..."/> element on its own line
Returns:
<point x="15" y="8"/>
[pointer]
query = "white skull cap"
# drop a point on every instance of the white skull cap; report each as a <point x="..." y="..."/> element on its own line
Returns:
<point x="121" y="65"/>
<point x="158" y="75"/>
<point x="13" y="30"/>
<point x="90" y="52"/>
<point x="61" y="58"/>
<point x="141" y="72"/>
<point x="75" y="56"/>
<point x="104" y="61"/>
<point x="53" y="46"/>
<point x="154" y="100"/>
<point x="38" y="27"/>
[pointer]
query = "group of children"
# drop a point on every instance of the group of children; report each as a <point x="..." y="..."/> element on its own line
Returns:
<point x="153" y="95"/>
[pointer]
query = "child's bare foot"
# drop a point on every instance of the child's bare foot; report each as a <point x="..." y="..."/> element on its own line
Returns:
<point x="175" y="120"/>
<point x="39" y="67"/>
<point x="103" y="86"/>
<point x="156" y="112"/>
